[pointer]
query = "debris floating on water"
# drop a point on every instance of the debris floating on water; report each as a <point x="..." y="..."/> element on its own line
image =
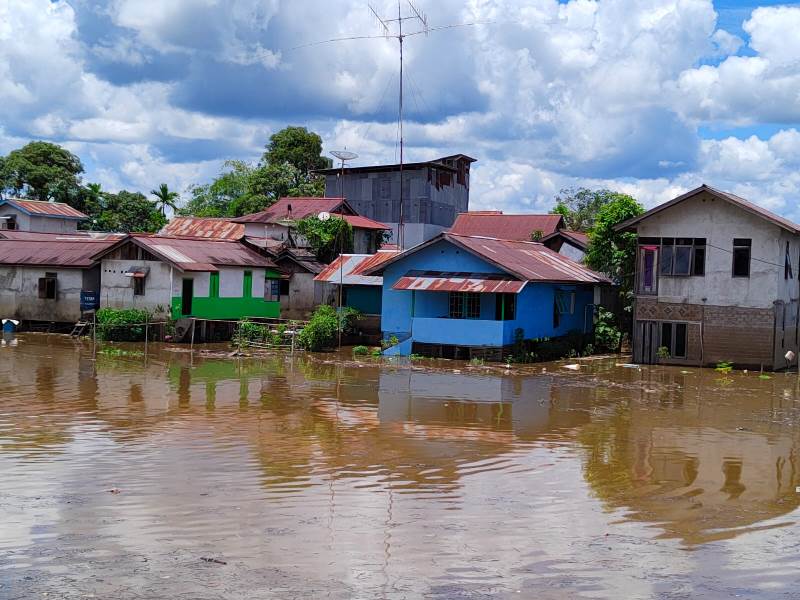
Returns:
<point x="213" y="560"/>
<point x="572" y="367"/>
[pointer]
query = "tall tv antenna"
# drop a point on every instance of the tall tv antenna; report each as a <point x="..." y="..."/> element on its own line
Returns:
<point x="392" y="28"/>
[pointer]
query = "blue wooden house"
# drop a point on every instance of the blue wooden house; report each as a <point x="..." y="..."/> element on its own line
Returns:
<point x="461" y="296"/>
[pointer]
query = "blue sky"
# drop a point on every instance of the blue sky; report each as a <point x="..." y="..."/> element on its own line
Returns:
<point x="651" y="97"/>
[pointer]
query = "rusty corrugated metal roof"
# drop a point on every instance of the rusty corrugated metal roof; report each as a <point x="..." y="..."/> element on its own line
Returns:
<point x="507" y="227"/>
<point x="726" y="196"/>
<point x="197" y="254"/>
<point x="440" y="281"/>
<point x="300" y="209"/>
<point x="578" y="238"/>
<point x="45" y="209"/>
<point x="204" y="227"/>
<point x="528" y="261"/>
<point x="359" y="222"/>
<point x="350" y="269"/>
<point x="22" y="248"/>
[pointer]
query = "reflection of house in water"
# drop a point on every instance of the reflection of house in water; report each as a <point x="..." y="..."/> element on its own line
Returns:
<point x="689" y="466"/>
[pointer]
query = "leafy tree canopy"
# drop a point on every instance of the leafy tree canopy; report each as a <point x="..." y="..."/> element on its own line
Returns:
<point x="327" y="239"/>
<point x="43" y="171"/>
<point x="126" y="212"/>
<point x="579" y="206"/>
<point x="297" y="146"/>
<point x="614" y="252"/>
<point x="165" y="198"/>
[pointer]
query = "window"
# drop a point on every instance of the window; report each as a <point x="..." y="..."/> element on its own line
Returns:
<point x="8" y="222"/>
<point x="48" y="286"/>
<point x="465" y="305"/>
<point x="138" y="286"/>
<point x="505" y="307"/>
<point x="272" y="290"/>
<point x="674" y="339"/>
<point x="787" y="264"/>
<point x="213" y="285"/>
<point x="741" y="257"/>
<point x="565" y="302"/>
<point x="247" y="284"/>
<point x="646" y="271"/>
<point x="682" y="257"/>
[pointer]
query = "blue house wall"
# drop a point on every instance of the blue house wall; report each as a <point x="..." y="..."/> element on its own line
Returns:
<point x="364" y="298"/>
<point x="424" y="315"/>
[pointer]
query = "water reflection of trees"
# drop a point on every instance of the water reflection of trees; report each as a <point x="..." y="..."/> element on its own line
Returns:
<point x="698" y="457"/>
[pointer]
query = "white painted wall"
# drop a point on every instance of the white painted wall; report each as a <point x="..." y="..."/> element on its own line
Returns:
<point x="571" y="252"/>
<point x="19" y="294"/>
<point x="200" y="283"/>
<point x="116" y="289"/>
<point x="720" y="222"/>
<point x="231" y="282"/>
<point x="255" y="230"/>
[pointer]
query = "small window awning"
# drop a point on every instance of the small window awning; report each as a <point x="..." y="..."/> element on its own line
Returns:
<point x="137" y="272"/>
<point x="440" y="281"/>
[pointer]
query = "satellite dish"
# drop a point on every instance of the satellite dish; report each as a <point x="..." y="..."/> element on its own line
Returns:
<point x="324" y="216"/>
<point x="344" y="155"/>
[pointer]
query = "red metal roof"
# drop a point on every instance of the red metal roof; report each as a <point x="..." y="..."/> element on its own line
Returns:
<point x="300" y="209"/>
<point x="22" y="248"/>
<point x="726" y="196"/>
<point x="204" y="227"/>
<point x="438" y="281"/>
<point x="197" y="254"/>
<point x="578" y="238"/>
<point x="45" y="209"/>
<point x="359" y="222"/>
<point x="508" y="227"/>
<point x="530" y="261"/>
<point x="527" y="261"/>
<point x="354" y="268"/>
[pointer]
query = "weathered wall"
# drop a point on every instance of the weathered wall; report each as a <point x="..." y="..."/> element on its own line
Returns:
<point x="117" y="289"/>
<point x="304" y="295"/>
<point x="720" y="222"/>
<point x="25" y="222"/>
<point x="255" y="230"/>
<point x="430" y="196"/>
<point x="572" y="252"/>
<point x="19" y="294"/>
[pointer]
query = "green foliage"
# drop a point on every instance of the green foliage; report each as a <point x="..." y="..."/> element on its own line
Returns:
<point x="115" y="352"/>
<point x="607" y="335"/>
<point x="327" y="239"/>
<point x="376" y="352"/>
<point x="321" y="330"/>
<point x="165" y="198"/>
<point x="415" y="357"/>
<point x="251" y="332"/>
<point x="360" y="351"/>
<point x="477" y="362"/>
<point x="581" y="206"/>
<point x="537" y="235"/>
<point x="43" y="171"/>
<point x="122" y="325"/>
<point x="125" y="212"/>
<point x="614" y="252"/>
<point x="663" y="352"/>
<point x="724" y="367"/>
<point x="298" y="147"/>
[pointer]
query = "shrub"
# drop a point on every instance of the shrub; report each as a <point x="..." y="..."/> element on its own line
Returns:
<point x="607" y="335"/>
<point x="321" y="330"/>
<point x="360" y="351"/>
<point x="122" y="325"/>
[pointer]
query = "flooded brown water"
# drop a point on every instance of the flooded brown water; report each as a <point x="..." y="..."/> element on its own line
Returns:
<point x="180" y="476"/>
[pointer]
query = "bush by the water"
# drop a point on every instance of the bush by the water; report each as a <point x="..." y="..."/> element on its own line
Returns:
<point x="260" y="333"/>
<point x="122" y="325"/>
<point x="323" y="328"/>
<point x="607" y="335"/>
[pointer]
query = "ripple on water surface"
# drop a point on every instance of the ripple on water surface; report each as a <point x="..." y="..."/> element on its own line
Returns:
<point x="298" y="476"/>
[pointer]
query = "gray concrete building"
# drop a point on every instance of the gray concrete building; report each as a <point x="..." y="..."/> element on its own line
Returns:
<point x="717" y="279"/>
<point x="20" y="214"/>
<point x="434" y="192"/>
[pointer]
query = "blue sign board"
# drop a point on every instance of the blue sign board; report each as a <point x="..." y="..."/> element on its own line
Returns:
<point x="90" y="301"/>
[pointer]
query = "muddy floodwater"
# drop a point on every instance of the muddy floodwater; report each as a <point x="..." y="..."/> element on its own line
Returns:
<point x="195" y="476"/>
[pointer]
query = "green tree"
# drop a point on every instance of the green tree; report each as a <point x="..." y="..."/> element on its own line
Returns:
<point x="297" y="146"/>
<point x="128" y="211"/>
<point x="215" y="199"/>
<point x="614" y="252"/>
<point x="43" y="171"/>
<point x="580" y="206"/>
<point x="327" y="239"/>
<point x="165" y="198"/>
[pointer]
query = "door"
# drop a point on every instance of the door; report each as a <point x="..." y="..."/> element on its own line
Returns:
<point x="646" y="348"/>
<point x="186" y="297"/>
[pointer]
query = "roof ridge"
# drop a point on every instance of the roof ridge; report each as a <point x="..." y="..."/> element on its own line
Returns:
<point x="497" y="239"/>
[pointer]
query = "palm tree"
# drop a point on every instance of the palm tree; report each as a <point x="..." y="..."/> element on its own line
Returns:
<point x="165" y="198"/>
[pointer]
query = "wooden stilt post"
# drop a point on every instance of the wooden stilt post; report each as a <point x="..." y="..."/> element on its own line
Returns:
<point x="191" y="344"/>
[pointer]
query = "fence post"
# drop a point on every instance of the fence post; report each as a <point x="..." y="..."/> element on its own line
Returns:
<point x="191" y="344"/>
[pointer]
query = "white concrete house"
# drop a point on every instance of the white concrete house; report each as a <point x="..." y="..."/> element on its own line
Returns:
<point x="18" y="214"/>
<point x="717" y="279"/>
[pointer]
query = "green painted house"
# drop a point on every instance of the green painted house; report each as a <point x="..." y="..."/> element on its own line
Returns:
<point x="192" y="277"/>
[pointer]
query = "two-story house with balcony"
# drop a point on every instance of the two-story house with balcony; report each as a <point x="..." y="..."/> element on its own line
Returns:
<point x="717" y="279"/>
